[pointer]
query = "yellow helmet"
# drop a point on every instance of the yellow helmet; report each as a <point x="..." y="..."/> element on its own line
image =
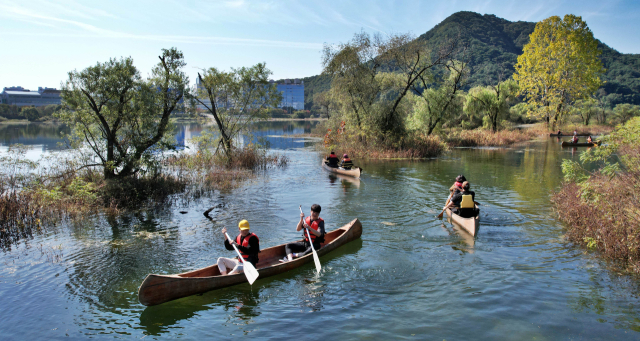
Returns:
<point x="243" y="224"/>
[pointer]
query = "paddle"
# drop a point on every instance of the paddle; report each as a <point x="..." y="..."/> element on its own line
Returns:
<point x="249" y="270"/>
<point x="445" y="207"/>
<point x="315" y="254"/>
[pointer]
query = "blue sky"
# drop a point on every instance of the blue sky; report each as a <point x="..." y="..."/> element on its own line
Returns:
<point x="40" y="41"/>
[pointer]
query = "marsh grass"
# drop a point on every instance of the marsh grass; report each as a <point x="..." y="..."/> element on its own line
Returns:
<point x="34" y="197"/>
<point x="487" y="138"/>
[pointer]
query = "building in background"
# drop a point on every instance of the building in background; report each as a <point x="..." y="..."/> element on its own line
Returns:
<point x="292" y="94"/>
<point x="21" y="97"/>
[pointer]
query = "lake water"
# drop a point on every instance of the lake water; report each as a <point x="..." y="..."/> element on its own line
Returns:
<point x="411" y="276"/>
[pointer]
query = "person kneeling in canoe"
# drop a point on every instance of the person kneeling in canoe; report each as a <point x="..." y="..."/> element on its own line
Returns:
<point x="315" y="225"/>
<point x="346" y="162"/>
<point x="332" y="160"/>
<point x="247" y="243"/>
<point x="463" y="203"/>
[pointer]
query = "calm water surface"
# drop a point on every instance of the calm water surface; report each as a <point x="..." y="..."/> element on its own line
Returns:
<point x="411" y="276"/>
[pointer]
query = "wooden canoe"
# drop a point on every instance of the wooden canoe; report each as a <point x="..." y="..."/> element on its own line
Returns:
<point x="157" y="289"/>
<point x="579" y="144"/>
<point x="569" y="135"/>
<point x="355" y="172"/>
<point x="470" y="225"/>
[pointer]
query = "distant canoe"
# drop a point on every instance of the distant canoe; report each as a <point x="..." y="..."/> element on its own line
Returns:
<point x="470" y="225"/>
<point x="569" y="135"/>
<point x="157" y="289"/>
<point x="579" y="144"/>
<point x="355" y="172"/>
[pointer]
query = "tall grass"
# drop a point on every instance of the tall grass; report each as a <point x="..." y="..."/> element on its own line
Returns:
<point x="486" y="138"/>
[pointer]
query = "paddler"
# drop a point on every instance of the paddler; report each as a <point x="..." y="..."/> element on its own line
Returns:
<point x="247" y="243"/>
<point x="462" y="203"/>
<point x="346" y="162"/>
<point x="315" y="225"/>
<point x="332" y="160"/>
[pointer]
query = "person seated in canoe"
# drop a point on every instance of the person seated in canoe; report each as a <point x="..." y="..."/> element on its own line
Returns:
<point x="346" y="162"/>
<point x="574" y="139"/>
<point x="315" y="225"/>
<point x="457" y="185"/>
<point x="247" y="243"/>
<point x="332" y="160"/>
<point x="463" y="203"/>
<point x="589" y="139"/>
<point x="559" y="132"/>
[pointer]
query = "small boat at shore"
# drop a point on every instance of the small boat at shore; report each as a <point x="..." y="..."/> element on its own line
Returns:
<point x="569" y="135"/>
<point x="355" y="172"/>
<point x="470" y="225"/>
<point x="157" y="289"/>
<point x="579" y="144"/>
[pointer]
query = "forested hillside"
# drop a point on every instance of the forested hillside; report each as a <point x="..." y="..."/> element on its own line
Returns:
<point x="494" y="45"/>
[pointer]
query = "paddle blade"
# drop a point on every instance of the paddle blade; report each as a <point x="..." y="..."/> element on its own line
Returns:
<point x="317" y="261"/>
<point x="440" y="215"/>
<point x="250" y="271"/>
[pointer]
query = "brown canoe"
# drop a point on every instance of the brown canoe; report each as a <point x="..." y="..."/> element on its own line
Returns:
<point x="470" y="225"/>
<point x="355" y="172"/>
<point x="579" y="144"/>
<point x="569" y="135"/>
<point x="157" y="289"/>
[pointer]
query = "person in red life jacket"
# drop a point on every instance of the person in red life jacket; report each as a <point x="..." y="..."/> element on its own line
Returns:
<point x="332" y="160"/>
<point x="574" y="139"/>
<point x="247" y="243"/>
<point x="346" y="162"/>
<point x="315" y="225"/>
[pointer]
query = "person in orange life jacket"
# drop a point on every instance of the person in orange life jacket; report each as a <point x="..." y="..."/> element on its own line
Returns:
<point x="247" y="243"/>
<point x="333" y="160"/>
<point x="461" y="207"/>
<point x="315" y="225"/>
<point x="589" y="139"/>
<point x="346" y="162"/>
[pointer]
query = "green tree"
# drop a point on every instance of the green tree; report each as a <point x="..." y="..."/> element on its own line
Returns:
<point x="625" y="111"/>
<point x="436" y="105"/>
<point x="491" y="101"/>
<point x="371" y="76"/>
<point x="235" y="99"/>
<point x="30" y="113"/>
<point x="121" y="117"/>
<point x="559" y="65"/>
<point x="585" y="109"/>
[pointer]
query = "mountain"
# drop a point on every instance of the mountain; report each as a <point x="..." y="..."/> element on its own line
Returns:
<point x="494" y="46"/>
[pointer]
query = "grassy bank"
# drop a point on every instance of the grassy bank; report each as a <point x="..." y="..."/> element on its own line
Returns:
<point x="601" y="209"/>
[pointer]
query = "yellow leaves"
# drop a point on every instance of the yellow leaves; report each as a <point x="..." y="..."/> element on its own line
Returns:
<point x="559" y="64"/>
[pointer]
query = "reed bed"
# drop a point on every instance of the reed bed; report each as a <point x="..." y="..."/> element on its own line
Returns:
<point x="486" y="138"/>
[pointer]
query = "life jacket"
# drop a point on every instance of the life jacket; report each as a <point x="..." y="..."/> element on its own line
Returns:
<point x="245" y="243"/>
<point x="314" y="226"/>
<point x="346" y="163"/>
<point x="467" y="201"/>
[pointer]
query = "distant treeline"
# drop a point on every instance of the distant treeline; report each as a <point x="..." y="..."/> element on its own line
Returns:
<point x="32" y="114"/>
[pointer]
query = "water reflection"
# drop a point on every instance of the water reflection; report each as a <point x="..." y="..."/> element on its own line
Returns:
<point x="44" y="135"/>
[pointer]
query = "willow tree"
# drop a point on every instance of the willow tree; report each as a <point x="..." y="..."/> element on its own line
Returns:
<point x="559" y="65"/>
<point x="437" y="105"/>
<point x="235" y="98"/>
<point x="121" y="117"/>
<point x="492" y="101"/>
<point x="371" y="76"/>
